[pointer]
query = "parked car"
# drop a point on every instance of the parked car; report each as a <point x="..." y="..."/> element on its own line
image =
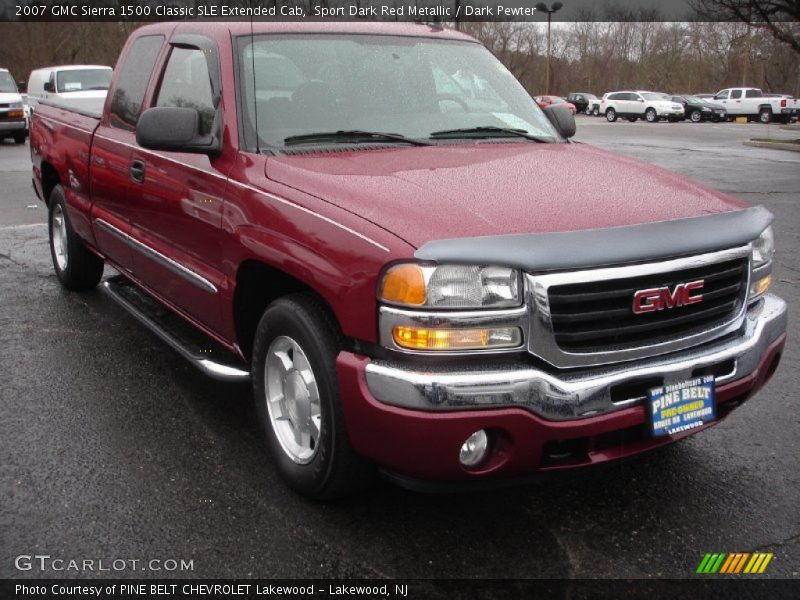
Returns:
<point x="696" y="109"/>
<point x="584" y="102"/>
<point x="77" y="86"/>
<point x="401" y="293"/>
<point x="632" y="106"/>
<point x="13" y="123"/>
<point x="545" y="101"/>
<point x="751" y="103"/>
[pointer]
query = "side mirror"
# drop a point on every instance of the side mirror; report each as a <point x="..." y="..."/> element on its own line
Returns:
<point x="562" y="119"/>
<point x="49" y="86"/>
<point x="174" y="130"/>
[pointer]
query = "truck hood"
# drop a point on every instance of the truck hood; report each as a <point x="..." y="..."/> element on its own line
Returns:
<point x="10" y="98"/>
<point x="464" y="190"/>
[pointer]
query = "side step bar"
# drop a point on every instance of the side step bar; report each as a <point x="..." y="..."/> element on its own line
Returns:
<point x="200" y="350"/>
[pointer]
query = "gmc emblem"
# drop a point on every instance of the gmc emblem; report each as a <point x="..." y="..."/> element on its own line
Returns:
<point x="645" y="301"/>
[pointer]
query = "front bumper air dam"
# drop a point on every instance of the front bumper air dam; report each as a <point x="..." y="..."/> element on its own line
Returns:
<point x="424" y="444"/>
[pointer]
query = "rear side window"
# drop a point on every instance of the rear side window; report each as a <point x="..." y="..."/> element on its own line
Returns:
<point x="736" y="93"/>
<point x="134" y="75"/>
<point x="752" y="94"/>
<point x="615" y="97"/>
<point x="187" y="84"/>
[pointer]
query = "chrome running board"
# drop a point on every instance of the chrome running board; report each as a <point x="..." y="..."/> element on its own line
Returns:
<point x="196" y="347"/>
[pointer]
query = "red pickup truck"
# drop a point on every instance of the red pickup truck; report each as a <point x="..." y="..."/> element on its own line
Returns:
<point x="417" y="268"/>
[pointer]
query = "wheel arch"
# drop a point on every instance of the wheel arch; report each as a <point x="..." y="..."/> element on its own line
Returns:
<point x="50" y="179"/>
<point x="257" y="285"/>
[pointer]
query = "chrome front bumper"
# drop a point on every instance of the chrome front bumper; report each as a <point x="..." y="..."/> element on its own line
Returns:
<point x="573" y="393"/>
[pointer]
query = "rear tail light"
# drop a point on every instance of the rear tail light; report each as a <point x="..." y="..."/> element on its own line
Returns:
<point x="783" y="103"/>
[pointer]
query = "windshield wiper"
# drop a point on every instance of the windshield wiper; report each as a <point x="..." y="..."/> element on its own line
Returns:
<point x="355" y="136"/>
<point x="488" y="131"/>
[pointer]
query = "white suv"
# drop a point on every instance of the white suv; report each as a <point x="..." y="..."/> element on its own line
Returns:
<point x="650" y="106"/>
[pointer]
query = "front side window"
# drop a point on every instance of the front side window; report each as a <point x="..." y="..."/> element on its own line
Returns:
<point x="187" y="84"/>
<point x="295" y="85"/>
<point x="7" y="83"/>
<point x="132" y="81"/>
<point x="723" y="95"/>
<point x="82" y="80"/>
<point x="736" y="94"/>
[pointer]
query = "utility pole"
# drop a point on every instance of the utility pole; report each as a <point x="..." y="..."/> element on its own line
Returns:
<point x="542" y="7"/>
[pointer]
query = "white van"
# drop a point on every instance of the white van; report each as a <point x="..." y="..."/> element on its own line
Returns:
<point x="12" y="111"/>
<point x="77" y="86"/>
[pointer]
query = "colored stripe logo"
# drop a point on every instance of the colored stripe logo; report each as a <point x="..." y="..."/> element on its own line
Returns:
<point x="735" y="563"/>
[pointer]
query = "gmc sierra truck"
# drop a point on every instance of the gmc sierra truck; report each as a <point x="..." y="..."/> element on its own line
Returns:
<point x="416" y="267"/>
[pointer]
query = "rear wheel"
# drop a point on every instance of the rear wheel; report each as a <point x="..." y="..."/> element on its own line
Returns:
<point x="650" y="115"/>
<point x="611" y="115"/>
<point x="587" y="111"/>
<point x="296" y="392"/>
<point x="695" y="116"/>
<point x="76" y="268"/>
<point x="765" y="115"/>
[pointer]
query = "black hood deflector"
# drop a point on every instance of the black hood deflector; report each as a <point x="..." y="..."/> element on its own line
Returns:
<point x="559" y="251"/>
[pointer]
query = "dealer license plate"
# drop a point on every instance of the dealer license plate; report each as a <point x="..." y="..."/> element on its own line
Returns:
<point x="681" y="406"/>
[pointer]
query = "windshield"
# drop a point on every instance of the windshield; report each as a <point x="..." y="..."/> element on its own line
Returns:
<point x="653" y="96"/>
<point x="7" y="84"/>
<point x="694" y="99"/>
<point x="295" y="85"/>
<point x="82" y="80"/>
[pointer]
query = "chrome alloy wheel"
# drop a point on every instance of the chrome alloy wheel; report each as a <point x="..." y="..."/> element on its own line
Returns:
<point x="59" y="229"/>
<point x="292" y="398"/>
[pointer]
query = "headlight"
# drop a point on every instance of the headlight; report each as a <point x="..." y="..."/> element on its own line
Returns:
<point x="450" y="286"/>
<point x="763" y="248"/>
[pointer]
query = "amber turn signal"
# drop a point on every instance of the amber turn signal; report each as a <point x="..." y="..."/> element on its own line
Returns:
<point x="415" y="338"/>
<point x="760" y="287"/>
<point x="404" y="284"/>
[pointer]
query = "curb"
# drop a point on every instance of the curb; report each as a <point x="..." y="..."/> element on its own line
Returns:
<point x="776" y="145"/>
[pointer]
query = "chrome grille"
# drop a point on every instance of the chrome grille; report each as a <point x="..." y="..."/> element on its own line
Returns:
<point x="598" y="316"/>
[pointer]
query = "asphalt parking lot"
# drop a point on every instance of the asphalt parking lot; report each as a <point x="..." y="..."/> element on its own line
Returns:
<point x="111" y="446"/>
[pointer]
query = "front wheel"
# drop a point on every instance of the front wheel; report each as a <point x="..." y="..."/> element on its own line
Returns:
<point x="695" y="116"/>
<point x="650" y="115"/>
<point x="76" y="268"/>
<point x="296" y="393"/>
<point x="611" y="115"/>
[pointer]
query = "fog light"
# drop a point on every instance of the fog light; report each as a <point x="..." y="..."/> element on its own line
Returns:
<point x="760" y="287"/>
<point x="473" y="451"/>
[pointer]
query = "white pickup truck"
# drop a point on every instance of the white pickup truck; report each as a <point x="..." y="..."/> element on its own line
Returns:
<point x="751" y="102"/>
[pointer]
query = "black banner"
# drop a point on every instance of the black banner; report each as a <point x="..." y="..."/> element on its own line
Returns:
<point x="710" y="588"/>
<point x="396" y="10"/>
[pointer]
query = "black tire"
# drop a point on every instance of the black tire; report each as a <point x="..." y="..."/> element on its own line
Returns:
<point x="650" y="115"/>
<point x="334" y="470"/>
<point x="587" y="111"/>
<point x="611" y="115"/>
<point x="695" y="116"/>
<point x="80" y="270"/>
<point x="596" y="111"/>
<point x="765" y="116"/>
<point x="19" y="138"/>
